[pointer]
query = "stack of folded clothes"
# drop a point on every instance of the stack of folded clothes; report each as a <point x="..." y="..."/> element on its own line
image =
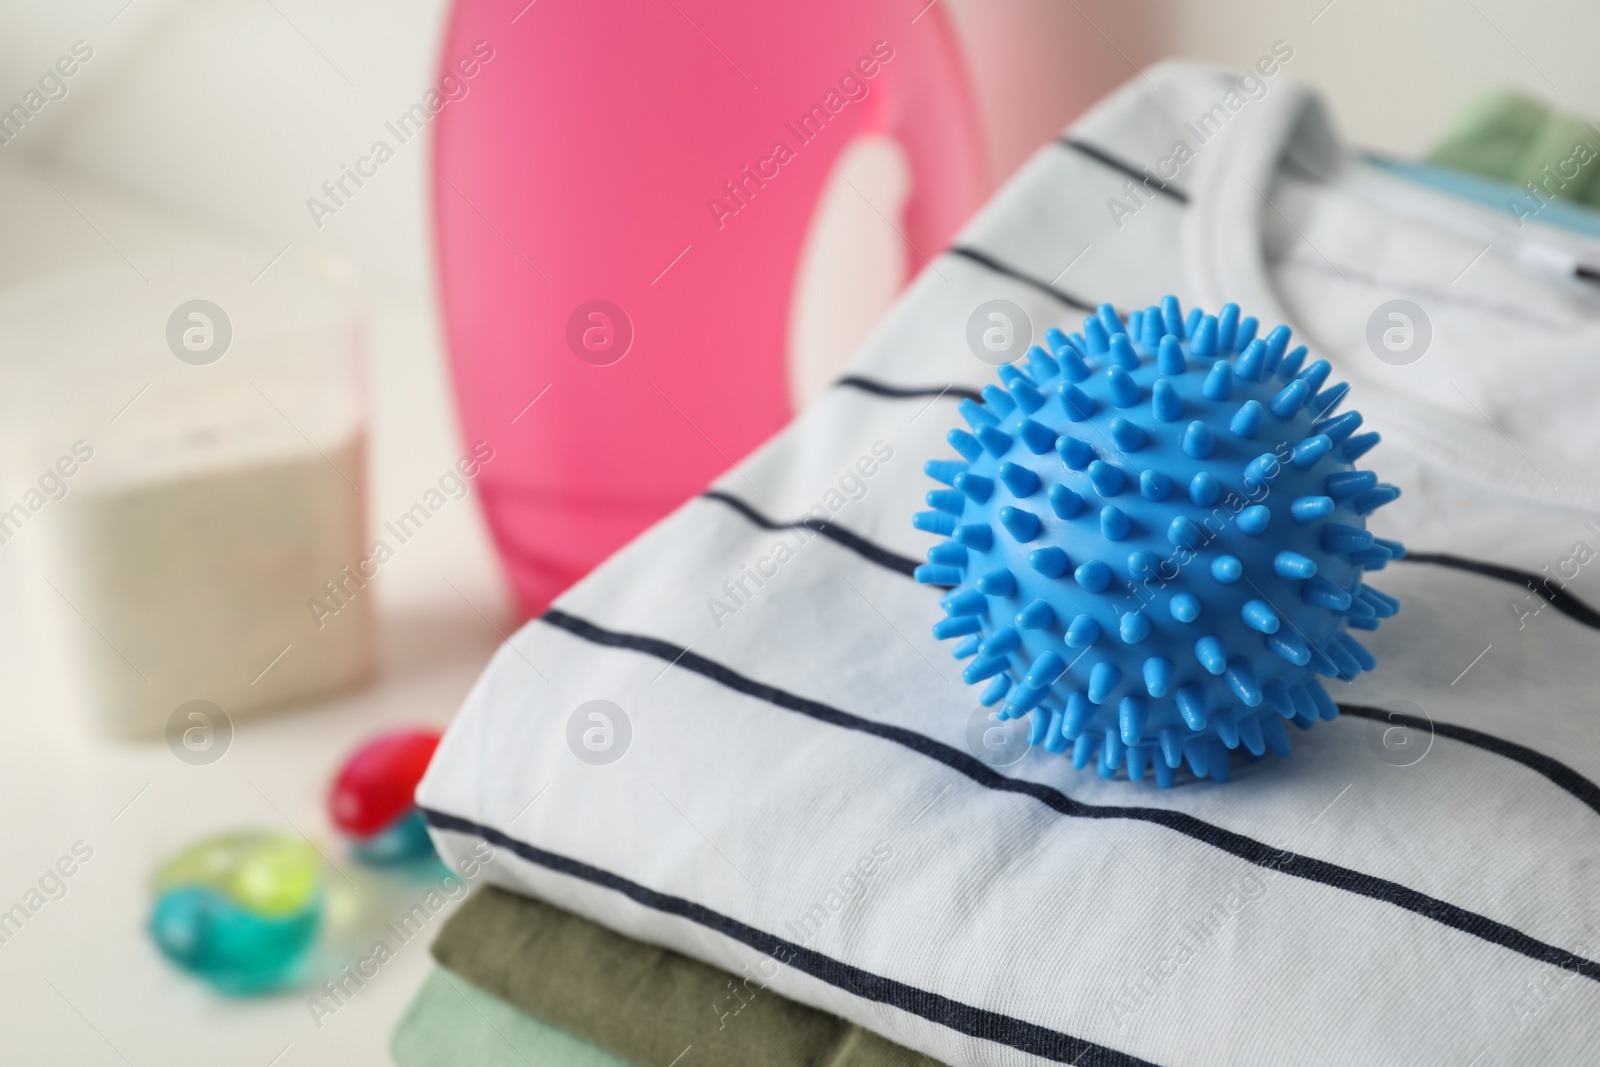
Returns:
<point x="802" y="857"/>
<point x="1517" y="155"/>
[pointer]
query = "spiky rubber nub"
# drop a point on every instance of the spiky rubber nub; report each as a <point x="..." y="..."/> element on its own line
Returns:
<point x="1155" y="538"/>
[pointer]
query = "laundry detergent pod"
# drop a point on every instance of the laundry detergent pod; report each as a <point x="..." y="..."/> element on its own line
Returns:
<point x="372" y="800"/>
<point x="241" y="911"/>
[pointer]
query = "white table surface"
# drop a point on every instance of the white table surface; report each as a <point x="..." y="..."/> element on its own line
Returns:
<point x="82" y="983"/>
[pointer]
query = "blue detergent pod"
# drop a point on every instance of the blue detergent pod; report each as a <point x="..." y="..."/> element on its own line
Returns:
<point x="1180" y="567"/>
<point x="241" y="911"/>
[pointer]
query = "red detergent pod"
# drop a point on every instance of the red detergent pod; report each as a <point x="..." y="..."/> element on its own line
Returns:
<point x="372" y="798"/>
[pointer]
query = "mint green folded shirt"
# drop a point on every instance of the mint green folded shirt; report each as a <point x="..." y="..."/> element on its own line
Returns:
<point x="452" y="1022"/>
<point x="1503" y="134"/>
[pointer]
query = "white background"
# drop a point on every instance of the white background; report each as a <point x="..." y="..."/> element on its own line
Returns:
<point x="226" y="115"/>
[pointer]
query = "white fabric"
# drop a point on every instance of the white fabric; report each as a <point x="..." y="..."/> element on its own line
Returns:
<point x="1143" y="940"/>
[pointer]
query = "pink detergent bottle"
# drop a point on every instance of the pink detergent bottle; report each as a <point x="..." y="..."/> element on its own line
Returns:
<point x="620" y="201"/>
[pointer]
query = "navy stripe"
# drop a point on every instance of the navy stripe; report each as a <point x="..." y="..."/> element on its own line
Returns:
<point x="896" y="392"/>
<point x="1569" y="780"/>
<point x="977" y="255"/>
<point x="1104" y="158"/>
<point x="1245" y="848"/>
<point x="960" y="1017"/>
<point x="831" y="530"/>
<point x="1585" y="791"/>
<point x="1562" y="601"/>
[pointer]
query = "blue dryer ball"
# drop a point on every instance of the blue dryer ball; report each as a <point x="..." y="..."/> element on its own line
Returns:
<point x="1155" y="539"/>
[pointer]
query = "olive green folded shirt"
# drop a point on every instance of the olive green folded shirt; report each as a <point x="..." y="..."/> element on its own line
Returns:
<point x="642" y="1003"/>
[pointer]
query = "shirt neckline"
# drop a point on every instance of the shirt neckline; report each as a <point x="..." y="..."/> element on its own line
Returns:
<point x="1221" y="241"/>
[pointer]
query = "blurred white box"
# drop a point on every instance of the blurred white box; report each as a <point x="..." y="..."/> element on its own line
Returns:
<point x="181" y="471"/>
